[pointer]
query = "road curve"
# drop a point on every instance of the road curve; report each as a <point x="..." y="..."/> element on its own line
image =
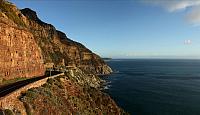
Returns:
<point x="6" y="89"/>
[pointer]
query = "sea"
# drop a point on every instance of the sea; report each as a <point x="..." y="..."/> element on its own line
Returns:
<point x="155" y="86"/>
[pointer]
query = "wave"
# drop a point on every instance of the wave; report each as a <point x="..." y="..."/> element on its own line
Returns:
<point x="107" y="87"/>
<point x="116" y="71"/>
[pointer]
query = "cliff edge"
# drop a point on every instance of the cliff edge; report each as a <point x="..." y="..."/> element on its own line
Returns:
<point x="57" y="48"/>
<point x="28" y="47"/>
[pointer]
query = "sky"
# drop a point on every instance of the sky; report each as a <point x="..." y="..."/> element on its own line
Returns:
<point x="126" y="28"/>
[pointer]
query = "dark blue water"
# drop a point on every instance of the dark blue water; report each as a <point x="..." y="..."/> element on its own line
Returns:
<point x="156" y="87"/>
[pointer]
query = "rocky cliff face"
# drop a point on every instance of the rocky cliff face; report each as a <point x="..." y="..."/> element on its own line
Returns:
<point x="59" y="49"/>
<point x="20" y="55"/>
<point x="27" y="43"/>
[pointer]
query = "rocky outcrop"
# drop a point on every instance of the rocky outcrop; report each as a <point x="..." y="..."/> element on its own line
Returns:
<point x="20" y="55"/>
<point x="70" y="95"/>
<point x="59" y="49"/>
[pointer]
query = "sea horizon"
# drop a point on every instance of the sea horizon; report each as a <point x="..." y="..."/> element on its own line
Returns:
<point x="100" y="57"/>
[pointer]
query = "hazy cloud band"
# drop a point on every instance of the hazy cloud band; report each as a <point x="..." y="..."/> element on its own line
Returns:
<point x="192" y="16"/>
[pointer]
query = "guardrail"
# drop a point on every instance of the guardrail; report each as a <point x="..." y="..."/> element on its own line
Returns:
<point x="11" y="100"/>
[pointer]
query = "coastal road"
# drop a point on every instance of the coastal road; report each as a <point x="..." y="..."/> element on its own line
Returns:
<point x="6" y="89"/>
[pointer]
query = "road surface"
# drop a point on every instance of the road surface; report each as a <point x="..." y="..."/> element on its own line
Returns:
<point x="6" y="89"/>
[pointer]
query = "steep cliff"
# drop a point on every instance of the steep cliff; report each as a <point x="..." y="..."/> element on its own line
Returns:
<point x="27" y="43"/>
<point x="20" y="55"/>
<point x="59" y="49"/>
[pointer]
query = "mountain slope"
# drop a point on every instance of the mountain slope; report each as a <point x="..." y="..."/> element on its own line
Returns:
<point x="42" y="44"/>
<point x="59" y="49"/>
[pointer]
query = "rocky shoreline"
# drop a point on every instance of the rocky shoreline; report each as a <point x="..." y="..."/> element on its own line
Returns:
<point x="78" y="92"/>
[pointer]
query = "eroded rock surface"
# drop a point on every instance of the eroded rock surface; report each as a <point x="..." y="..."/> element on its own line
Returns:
<point x="20" y="55"/>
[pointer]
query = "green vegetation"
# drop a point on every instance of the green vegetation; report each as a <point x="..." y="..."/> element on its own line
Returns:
<point x="67" y="96"/>
<point x="8" y="112"/>
<point x="8" y="9"/>
<point x="31" y="93"/>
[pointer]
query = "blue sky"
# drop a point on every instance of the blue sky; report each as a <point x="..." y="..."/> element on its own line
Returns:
<point x="126" y="28"/>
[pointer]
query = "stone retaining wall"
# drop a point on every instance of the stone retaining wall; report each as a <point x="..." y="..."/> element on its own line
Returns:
<point x="11" y="100"/>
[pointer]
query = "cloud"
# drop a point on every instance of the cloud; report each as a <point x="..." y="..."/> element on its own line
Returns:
<point x="174" y="5"/>
<point x="192" y="16"/>
<point x="187" y="42"/>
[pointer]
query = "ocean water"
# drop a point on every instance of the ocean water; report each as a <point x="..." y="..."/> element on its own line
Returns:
<point x="155" y="87"/>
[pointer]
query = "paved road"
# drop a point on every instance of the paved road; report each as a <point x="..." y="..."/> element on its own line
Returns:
<point x="6" y="89"/>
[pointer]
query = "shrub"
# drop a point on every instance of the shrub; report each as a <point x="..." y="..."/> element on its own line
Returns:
<point x="31" y="94"/>
<point x="8" y="112"/>
<point x="50" y="81"/>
